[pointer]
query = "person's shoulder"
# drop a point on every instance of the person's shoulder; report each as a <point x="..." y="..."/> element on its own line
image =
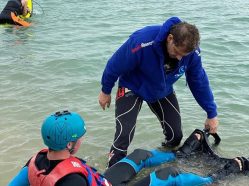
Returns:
<point x="193" y="59"/>
<point x="197" y="51"/>
<point x="73" y="179"/>
<point x="195" y="54"/>
<point x="148" y="29"/>
<point x="174" y="19"/>
<point x="145" y="34"/>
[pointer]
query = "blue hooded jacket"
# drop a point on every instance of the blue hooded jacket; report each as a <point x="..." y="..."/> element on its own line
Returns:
<point x="139" y="65"/>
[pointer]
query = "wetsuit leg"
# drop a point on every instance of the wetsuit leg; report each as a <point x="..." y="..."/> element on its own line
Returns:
<point x="168" y="113"/>
<point x="127" y="108"/>
<point x="128" y="167"/>
<point x="172" y="176"/>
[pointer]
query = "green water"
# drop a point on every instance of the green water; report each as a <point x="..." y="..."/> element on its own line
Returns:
<point x="57" y="64"/>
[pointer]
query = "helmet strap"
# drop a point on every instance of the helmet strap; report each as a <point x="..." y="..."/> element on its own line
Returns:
<point x="71" y="150"/>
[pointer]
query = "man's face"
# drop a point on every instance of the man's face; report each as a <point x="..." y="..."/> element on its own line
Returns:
<point x="174" y="51"/>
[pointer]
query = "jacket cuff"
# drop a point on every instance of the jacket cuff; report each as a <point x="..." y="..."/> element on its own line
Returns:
<point x="106" y="90"/>
<point x="212" y="114"/>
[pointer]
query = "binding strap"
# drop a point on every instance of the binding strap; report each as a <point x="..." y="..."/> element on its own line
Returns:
<point x="19" y="21"/>
<point x="244" y="164"/>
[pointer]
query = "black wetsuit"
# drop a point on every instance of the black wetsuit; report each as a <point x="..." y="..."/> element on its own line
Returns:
<point x="127" y="108"/>
<point x="14" y="6"/>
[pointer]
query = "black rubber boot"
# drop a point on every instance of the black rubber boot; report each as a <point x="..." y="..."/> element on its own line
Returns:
<point x="191" y="145"/>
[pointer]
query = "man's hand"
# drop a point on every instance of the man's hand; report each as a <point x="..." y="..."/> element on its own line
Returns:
<point x="212" y="125"/>
<point x="104" y="100"/>
<point x="26" y="10"/>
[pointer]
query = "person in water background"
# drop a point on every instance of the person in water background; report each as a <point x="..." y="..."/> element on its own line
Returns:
<point x="147" y="65"/>
<point x="63" y="133"/>
<point x="11" y="12"/>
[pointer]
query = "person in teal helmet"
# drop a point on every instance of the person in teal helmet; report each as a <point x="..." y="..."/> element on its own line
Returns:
<point x="63" y="133"/>
<point x="58" y="132"/>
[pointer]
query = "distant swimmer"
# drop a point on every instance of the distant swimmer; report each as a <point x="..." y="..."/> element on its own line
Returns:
<point x="15" y="12"/>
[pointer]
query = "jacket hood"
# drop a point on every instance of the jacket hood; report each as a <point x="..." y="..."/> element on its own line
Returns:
<point x="164" y="31"/>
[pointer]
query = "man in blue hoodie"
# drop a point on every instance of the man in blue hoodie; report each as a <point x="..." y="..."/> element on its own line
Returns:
<point x="147" y="65"/>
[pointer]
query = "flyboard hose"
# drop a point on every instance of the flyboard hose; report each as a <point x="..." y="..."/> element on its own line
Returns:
<point x="43" y="12"/>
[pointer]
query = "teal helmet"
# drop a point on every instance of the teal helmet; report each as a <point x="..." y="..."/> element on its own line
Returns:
<point x="61" y="128"/>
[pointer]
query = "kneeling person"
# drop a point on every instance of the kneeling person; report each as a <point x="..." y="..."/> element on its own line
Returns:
<point x="12" y="12"/>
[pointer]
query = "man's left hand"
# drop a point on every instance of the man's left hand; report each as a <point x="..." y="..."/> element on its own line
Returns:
<point x="212" y="125"/>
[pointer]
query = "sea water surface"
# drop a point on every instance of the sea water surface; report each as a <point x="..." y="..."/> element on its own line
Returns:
<point x="57" y="64"/>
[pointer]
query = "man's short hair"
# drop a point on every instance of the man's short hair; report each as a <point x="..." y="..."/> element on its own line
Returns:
<point x="185" y="35"/>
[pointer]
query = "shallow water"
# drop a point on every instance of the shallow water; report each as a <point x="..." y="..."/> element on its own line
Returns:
<point x="57" y="64"/>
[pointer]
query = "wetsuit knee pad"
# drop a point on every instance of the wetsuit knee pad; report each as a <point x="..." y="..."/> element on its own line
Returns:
<point x="163" y="176"/>
<point x="140" y="158"/>
<point x="136" y="159"/>
<point x="159" y="157"/>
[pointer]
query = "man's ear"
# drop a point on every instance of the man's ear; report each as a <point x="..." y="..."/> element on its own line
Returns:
<point x="69" y="145"/>
<point x="170" y="38"/>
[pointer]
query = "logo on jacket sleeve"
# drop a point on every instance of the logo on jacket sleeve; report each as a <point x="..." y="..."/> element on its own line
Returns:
<point x="142" y="45"/>
<point x="197" y="52"/>
<point x="180" y="72"/>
